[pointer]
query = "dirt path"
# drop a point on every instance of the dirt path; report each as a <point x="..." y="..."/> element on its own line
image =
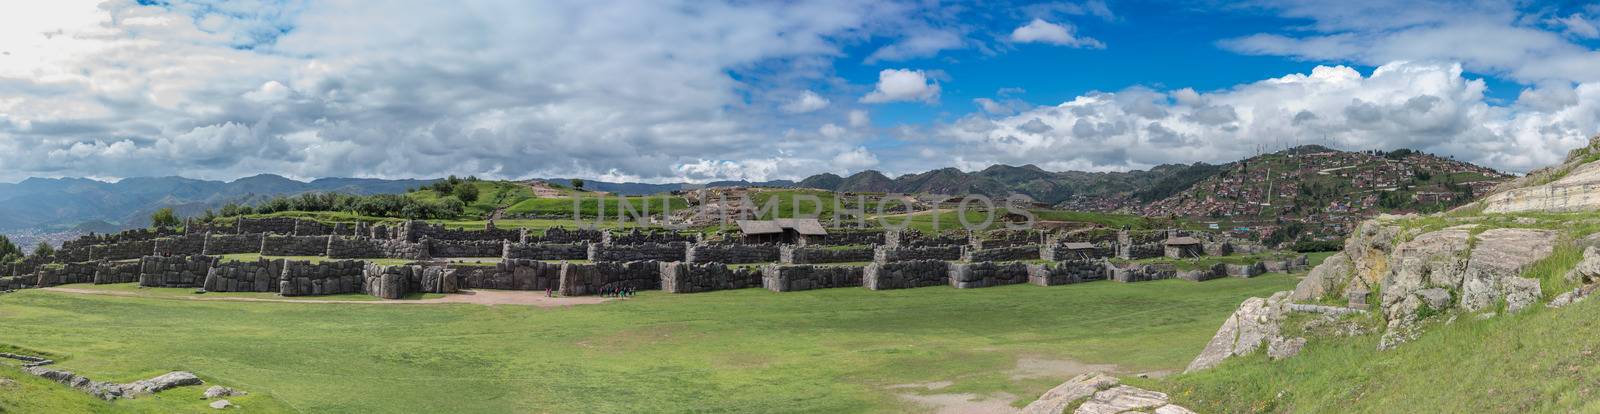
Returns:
<point x="479" y="297"/>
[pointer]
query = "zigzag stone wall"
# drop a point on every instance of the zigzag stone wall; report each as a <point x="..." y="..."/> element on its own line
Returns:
<point x="395" y="282"/>
<point x="220" y="244"/>
<point x="116" y="272"/>
<point x="1000" y="254"/>
<point x="682" y="277"/>
<point x="304" y="278"/>
<point x="546" y="251"/>
<point x="258" y="276"/>
<point x="174" y="271"/>
<point x="662" y="252"/>
<point x="636" y="236"/>
<point x="589" y="279"/>
<point x="843" y="237"/>
<point x="345" y="247"/>
<point x="809" y="255"/>
<point x="1139" y="273"/>
<point x="128" y="250"/>
<point x="905" y="274"/>
<point x="465" y="248"/>
<point x="790" y="278"/>
<point x="732" y="253"/>
<point x="180" y="245"/>
<point x="987" y="274"/>
<point x="279" y="245"/>
<point x="514" y="274"/>
<point x="1066" y="272"/>
<point x="901" y="254"/>
<point x="274" y="225"/>
<point x="68" y="273"/>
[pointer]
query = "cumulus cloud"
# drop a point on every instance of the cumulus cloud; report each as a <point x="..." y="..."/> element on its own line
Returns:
<point x="903" y="85"/>
<point x="808" y="101"/>
<point x="1040" y="31"/>
<point x="1432" y="107"/>
<point x="1575" y="25"/>
<point x="859" y="119"/>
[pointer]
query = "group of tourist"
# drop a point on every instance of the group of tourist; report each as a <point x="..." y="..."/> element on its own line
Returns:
<point x="617" y="292"/>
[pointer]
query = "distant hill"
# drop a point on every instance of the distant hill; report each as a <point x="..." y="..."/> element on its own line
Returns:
<point x="63" y="204"/>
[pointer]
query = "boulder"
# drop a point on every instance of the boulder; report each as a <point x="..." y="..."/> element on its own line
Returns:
<point x="1335" y="271"/>
<point x="1574" y="296"/>
<point x="1125" y="398"/>
<point x="218" y="391"/>
<point x="1501" y="254"/>
<point x="1521" y="293"/>
<point x="1253" y="323"/>
<point x="161" y="383"/>
<point x="1280" y="348"/>
<point x="1437" y="298"/>
<point x="1058" y="399"/>
<point x="1431" y="259"/>
<point x="221" y="404"/>
<point x="1587" y="270"/>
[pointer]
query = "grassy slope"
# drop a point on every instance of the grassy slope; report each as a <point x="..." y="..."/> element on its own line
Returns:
<point x="1540" y="360"/>
<point x="491" y="195"/>
<point x="832" y="350"/>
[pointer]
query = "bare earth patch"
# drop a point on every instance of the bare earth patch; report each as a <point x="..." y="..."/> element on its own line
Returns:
<point x="479" y="297"/>
<point x="1027" y="368"/>
<point x="1055" y="368"/>
<point x="965" y="403"/>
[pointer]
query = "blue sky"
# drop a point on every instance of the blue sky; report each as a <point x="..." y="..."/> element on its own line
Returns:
<point x="705" y="90"/>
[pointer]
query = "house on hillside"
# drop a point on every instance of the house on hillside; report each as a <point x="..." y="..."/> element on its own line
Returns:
<point x="786" y="231"/>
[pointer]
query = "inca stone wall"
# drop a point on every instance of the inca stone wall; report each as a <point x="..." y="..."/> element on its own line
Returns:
<point x="901" y="254"/>
<point x="74" y="254"/>
<point x="220" y="244"/>
<point x="1000" y="254"/>
<point x="850" y="237"/>
<point x="465" y="248"/>
<point x="174" y="271"/>
<point x="636" y="236"/>
<point x="1060" y="251"/>
<point x="1006" y="238"/>
<point x="1142" y="251"/>
<point x="1139" y="273"/>
<point x="1066" y="272"/>
<point x="1092" y="236"/>
<point x="346" y="247"/>
<point x="395" y="282"/>
<point x="116" y="272"/>
<point x="589" y="279"/>
<point x="662" y="252"/>
<point x="790" y="278"/>
<point x="304" y="278"/>
<point x="546" y="251"/>
<point x="121" y="237"/>
<point x="417" y="230"/>
<point x="15" y="282"/>
<point x="278" y="245"/>
<point x="128" y="250"/>
<point x="1200" y="275"/>
<point x="258" y="276"/>
<point x="987" y="274"/>
<point x="562" y="235"/>
<point x="274" y="225"/>
<point x="187" y="244"/>
<point x="1245" y="271"/>
<point x="514" y="274"/>
<point x="68" y="273"/>
<point x="809" y="255"/>
<point x="905" y="274"/>
<point x="1286" y="265"/>
<point x="732" y="253"/>
<point x="682" y="277"/>
<point x="311" y="228"/>
<point x="913" y="238"/>
<point x="434" y="279"/>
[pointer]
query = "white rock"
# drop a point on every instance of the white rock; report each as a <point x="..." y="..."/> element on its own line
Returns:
<point x="221" y="404"/>
<point x="1280" y="348"/>
<point x="1057" y="399"/>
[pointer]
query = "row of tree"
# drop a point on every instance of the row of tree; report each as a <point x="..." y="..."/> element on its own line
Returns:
<point x="378" y="205"/>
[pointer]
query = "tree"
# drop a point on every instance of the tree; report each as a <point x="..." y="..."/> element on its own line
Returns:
<point x="9" y="252"/>
<point x="44" y="250"/>
<point x="164" y="218"/>
<point x="577" y="183"/>
<point x="467" y="192"/>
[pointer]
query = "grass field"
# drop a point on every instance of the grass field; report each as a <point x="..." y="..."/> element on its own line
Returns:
<point x="751" y="350"/>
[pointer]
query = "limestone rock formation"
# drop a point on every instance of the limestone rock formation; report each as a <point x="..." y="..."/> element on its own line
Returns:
<point x="1284" y="348"/>
<point x="218" y="391"/>
<point x="221" y="404"/>
<point x="1497" y="260"/>
<point x="1060" y="398"/>
<point x="1254" y="323"/>
<point x="1100" y="393"/>
<point x="1574" y="183"/>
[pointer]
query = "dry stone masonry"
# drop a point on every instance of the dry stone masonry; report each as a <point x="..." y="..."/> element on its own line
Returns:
<point x="220" y="244"/>
<point x="304" y="278"/>
<point x="277" y="245"/>
<point x="664" y="252"/>
<point x="680" y="277"/>
<point x="258" y="276"/>
<point x="782" y="278"/>
<point x="1066" y="272"/>
<point x="826" y="254"/>
<point x="987" y="274"/>
<point x="905" y="274"/>
<point x="546" y="251"/>
<point x="732" y="253"/>
<point x="175" y="271"/>
<point x="590" y="279"/>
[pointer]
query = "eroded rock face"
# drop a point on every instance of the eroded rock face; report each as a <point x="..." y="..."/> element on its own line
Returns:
<point x="1588" y="270"/>
<point x="1251" y="325"/>
<point x="1284" y="348"/>
<point x="1498" y="259"/>
<point x="1334" y="271"/>
<point x="1125" y="398"/>
<point x="1060" y="398"/>
<point x="1431" y="259"/>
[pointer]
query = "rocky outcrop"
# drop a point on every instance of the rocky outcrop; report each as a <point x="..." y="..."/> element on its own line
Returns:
<point x="1497" y="262"/>
<point x="1256" y="322"/>
<point x="1100" y="393"/>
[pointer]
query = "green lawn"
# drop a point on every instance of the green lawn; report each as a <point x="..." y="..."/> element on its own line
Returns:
<point x="750" y="350"/>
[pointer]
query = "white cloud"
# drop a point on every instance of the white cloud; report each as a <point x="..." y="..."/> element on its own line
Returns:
<point x="1431" y="107"/>
<point x="808" y="101"/>
<point x="860" y="119"/>
<point x="1575" y="25"/>
<point x="920" y="43"/>
<point x="1040" y="31"/>
<point x="854" y="160"/>
<point x="903" y="85"/>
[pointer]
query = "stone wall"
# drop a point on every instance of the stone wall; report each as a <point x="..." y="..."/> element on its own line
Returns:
<point x="434" y="279"/>
<point x="514" y="274"/>
<point x="682" y="277"/>
<point x="220" y="244"/>
<point x="807" y="255"/>
<point x="1200" y="275"/>
<point x="68" y="273"/>
<point x="346" y="247"/>
<point x="1060" y="251"/>
<point x="413" y="231"/>
<point x="905" y="274"/>
<point x="120" y="237"/>
<point x="279" y="245"/>
<point x="590" y="279"/>
<point x="1093" y="236"/>
<point x="1141" y="251"/>
<point x="274" y="225"/>
<point x="732" y="253"/>
<point x="187" y="244"/>
<point x="1286" y="265"/>
<point x="663" y="252"/>
<point x="1001" y="254"/>
<point x="789" y="278"/>
<point x="546" y="251"/>
<point x="261" y="275"/>
<point x="913" y="238"/>
<point x="465" y="248"/>
<point x="900" y="254"/>
<point x="174" y="271"/>
<point x="636" y="236"/>
<point x="311" y="228"/>
<point x="1139" y="273"/>
<point x="1066" y="272"/>
<point x="128" y="250"/>
<point x="116" y="272"/>
<point x="1245" y="271"/>
<point x="304" y="278"/>
<point x="16" y="282"/>
<point x="1006" y="238"/>
<point x="849" y="237"/>
<point x="74" y="254"/>
<point x="987" y="274"/>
